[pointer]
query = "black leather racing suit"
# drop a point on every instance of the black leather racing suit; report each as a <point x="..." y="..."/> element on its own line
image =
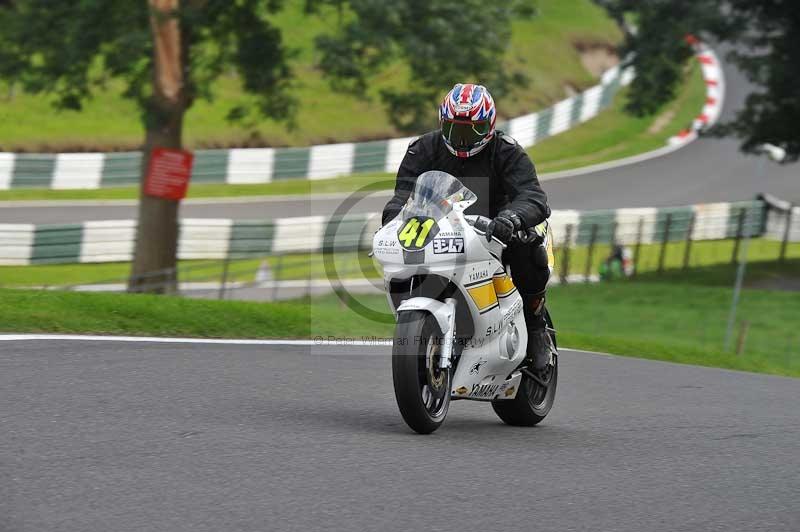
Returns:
<point x="503" y="177"/>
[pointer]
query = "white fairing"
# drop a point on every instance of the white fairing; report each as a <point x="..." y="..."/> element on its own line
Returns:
<point x="441" y="311"/>
<point x="486" y="369"/>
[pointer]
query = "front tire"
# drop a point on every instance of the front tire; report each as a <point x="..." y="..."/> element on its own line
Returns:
<point x="421" y="388"/>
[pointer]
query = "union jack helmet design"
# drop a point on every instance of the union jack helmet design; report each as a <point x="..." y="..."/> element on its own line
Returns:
<point x="466" y="117"/>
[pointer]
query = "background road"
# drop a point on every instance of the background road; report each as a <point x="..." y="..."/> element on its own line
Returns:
<point x="705" y="171"/>
<point x="135" y="436"/>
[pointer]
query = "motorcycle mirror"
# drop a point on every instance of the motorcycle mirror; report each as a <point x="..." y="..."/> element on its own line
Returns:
<point x="489" y="231"/>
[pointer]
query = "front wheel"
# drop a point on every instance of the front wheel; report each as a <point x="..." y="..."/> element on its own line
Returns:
<point x="421" y="388"/>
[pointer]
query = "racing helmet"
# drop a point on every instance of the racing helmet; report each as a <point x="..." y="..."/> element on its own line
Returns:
<point x="466" y="117"/>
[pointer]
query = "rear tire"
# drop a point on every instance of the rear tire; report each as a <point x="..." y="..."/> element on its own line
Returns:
<point x="533" y="401"/>
<point x="421" y="388"/>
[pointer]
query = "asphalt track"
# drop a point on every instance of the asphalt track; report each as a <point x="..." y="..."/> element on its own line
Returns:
<point x="97" y="436"/>
<point x="101" y="436"/>
<point x="707" y="170"/>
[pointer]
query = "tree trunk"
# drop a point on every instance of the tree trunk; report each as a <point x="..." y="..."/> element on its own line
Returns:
<point x="155" y="258"/>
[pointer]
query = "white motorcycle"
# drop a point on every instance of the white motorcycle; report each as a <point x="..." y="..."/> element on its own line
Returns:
<point x="460" y="330"/>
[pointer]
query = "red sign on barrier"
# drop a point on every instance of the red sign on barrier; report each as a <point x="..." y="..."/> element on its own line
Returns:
<point x="168" y="173"/>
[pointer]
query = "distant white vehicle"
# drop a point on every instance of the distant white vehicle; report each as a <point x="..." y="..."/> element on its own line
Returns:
<point x="776" y="153"/>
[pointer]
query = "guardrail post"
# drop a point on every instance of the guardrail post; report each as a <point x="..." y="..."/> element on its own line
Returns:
<point x="742" y="338"/>
<point x="613" y="234"/>
<point x="224" y="279"/>
<point x="663" y="255"/>
<point x="592" y="239"/>
<point x="638" y="249"/>
<point x="739" y="232"/>
<point x="737" y="287"/>
<point x="786" y="233"/>
<point x="276" y="278"/>
<point x="687" y="252"/>
<point x="565" y="255"/>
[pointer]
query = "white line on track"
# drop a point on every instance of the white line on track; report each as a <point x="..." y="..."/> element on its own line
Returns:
<point x="646" y="156"/>
<point x="154" y="339"/>
<point x="323" y="342"/>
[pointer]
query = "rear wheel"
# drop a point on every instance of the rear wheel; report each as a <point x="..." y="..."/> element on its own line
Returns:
<point x="537" y="392"/>
<point x="421" y="388"/>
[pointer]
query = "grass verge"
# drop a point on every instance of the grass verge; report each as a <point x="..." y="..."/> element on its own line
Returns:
<point x="672" y="322"/>
<point x="713" y="255"/>
<point x="282" y="267"/>
<point x="680" y="323"/>
<point x="614" y="134"/>
<point x="709" y="260"/>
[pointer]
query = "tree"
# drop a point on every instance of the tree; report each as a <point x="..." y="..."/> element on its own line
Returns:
<point x="443" y="42"/>
<point x="764" y="35"/>
<point x="168" y="53"/>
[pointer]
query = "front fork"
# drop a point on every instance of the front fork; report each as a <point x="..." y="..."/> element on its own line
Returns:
<point x="450" y="336"/>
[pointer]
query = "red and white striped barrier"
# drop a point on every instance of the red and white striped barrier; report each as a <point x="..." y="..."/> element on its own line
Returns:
<point x="714" y="78"/>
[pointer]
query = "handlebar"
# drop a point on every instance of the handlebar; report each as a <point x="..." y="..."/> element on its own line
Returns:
<point x="483" y="226"/>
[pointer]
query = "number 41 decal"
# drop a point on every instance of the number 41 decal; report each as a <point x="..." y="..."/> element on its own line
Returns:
<point x="417" y="232"/>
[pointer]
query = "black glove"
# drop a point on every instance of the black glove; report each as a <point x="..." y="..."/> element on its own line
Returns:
<point x="504" y="225"/>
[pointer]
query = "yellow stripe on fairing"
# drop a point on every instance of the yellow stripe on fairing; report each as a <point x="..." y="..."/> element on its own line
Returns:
<point x="503" y="284"/>
<point x="484" y="296"/>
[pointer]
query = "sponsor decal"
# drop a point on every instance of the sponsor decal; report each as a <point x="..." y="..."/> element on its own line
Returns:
<point x="484" y="391"/>
<point x="478" y="276"/>
<point x="448" y="245"/>
<point x="387" y="247"/>
<point x="451" y="233"/>
<point x="476" y="367"/>
<point x="506" y="320"/>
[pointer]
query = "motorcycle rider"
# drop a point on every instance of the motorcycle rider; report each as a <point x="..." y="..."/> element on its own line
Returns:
<point x="501" y="174"/>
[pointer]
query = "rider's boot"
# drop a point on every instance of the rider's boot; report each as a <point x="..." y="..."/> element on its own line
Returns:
<point x="540" y="345"/>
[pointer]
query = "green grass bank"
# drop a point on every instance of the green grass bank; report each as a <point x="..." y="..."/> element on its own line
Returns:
<point x="545" y="47"/>
<point x="665" y="321"/>
<point x="611" y="135"/>
<point x="709" y="260"/>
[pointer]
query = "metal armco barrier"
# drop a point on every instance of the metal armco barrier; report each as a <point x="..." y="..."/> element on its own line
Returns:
<point x="113" y="240"/>
<point x="265" y="165"/>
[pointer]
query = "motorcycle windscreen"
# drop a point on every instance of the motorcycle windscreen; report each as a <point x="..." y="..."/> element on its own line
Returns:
<point x="434" y="194"/>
